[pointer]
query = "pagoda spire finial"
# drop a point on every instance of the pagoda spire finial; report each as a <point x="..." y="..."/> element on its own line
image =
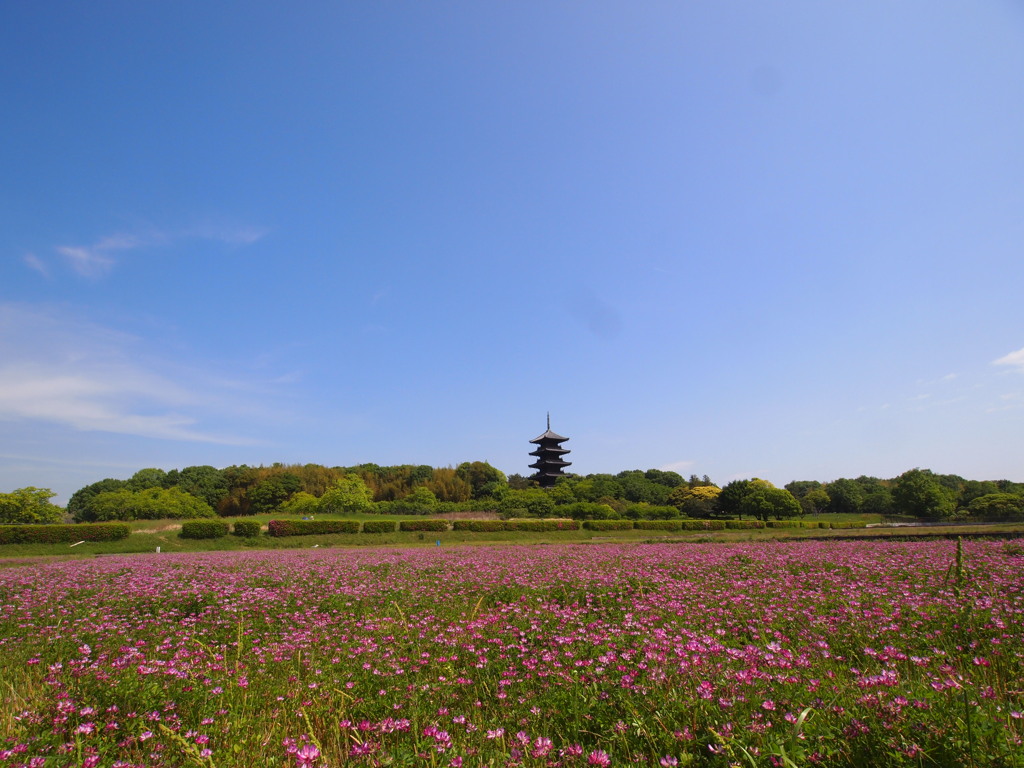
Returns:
<point x="549" y="419"/>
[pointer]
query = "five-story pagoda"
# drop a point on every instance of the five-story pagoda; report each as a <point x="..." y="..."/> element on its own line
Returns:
<point x="549" y="453"/>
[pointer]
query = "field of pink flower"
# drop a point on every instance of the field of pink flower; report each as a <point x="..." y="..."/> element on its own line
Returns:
<point x="761" y="654"/>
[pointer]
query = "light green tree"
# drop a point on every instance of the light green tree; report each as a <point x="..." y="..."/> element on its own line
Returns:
<point x="301" y="503"/>
<point x="815" y="501"/>
<point x="148" y="504"/>
<point x="349" y="494"/>
<point x="700" y="501"/>
<point x="28" y="506"/>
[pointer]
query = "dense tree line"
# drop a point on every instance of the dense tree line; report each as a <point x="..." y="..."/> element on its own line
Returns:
<point x="309" y="489"/>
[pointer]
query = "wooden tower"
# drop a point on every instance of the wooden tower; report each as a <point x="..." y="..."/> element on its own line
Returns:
<point x="549" y="453"/>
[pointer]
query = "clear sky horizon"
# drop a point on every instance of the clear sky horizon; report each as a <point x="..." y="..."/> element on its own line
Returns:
<point x="736" y="239"/>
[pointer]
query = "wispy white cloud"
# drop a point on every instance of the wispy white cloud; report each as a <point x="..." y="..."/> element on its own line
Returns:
<point x="228" y="235"/>
<point x="94" y="260"/>
<point x="99" y="258"/>
<point x="677" y="466"/>
<point x="34" y="262"/>
<point x="64" y="370"/>
<point x="1014" y="359"/>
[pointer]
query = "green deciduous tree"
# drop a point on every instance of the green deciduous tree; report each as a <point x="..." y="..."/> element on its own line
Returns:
<point x="700" y="501"/>
<point x="302" y="504"/>
<point x="815" y="501"/>
<point x="730" y="499"/>
<point x="800" y="488"/>
<point x="79" y="503"/>
<point x="529" y="502"/>
<point x="148" y="504"/>
<point x="348" y="495"/>
<point x="762" y="502"/>
<point x="29" y="506"/>
<point x="845" y="496"/>
<point x="919" y="493"/>
<point x="204" y="482"/>
<point x="267" y="495"/>
<point x="997" y="506"/>
<point x="480" y="475"/>
<point x="151" y="477"/>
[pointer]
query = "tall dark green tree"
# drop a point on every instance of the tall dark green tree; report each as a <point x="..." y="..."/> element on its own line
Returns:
<point x="204" y="482"/>
<point x="267" y="495"/>
<point x="480" y="475"/>
<point x="918" y="493"/>
<point x="78" y="504"/>
<point x="845" y="496"/>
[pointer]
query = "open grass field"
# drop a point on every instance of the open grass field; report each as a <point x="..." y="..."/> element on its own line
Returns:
<point x="147" y="535"/>
<point x="767" y="653"/>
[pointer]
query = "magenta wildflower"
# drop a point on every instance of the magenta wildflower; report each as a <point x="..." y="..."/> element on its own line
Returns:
<point x="306" y="755"/>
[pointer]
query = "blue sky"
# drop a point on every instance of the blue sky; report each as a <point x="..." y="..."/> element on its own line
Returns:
<point x="739" y="239"/>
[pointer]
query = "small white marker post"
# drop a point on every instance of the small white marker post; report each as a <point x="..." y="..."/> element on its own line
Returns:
<point x="158" y="550"/>
<point x="78" y="542"/>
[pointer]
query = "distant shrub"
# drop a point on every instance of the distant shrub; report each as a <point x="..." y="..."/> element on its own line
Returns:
<point x="702" y="525"/>
<point x="542" y="525"/>
<point x="481" y="526"/>
<point x="380" y="526"/>
<point x="658" y="525"/>
<point x="311" y="527"/>
<point x="59" y="534"/>
<point x="608" y="525"/>
<point x="744" y="525"/>
<point x="423" y="525"/>
<point x="850" y="524"/>
<point x="813" y="524"/>
<point x="783" y="524"/>
<point x="586" y="510"/>
<point x="650" y="512"/>
<point x="203" y="529"/>
<point x="248" y="529"/>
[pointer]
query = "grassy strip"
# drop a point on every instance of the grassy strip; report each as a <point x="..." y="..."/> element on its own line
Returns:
<point x="168" y="539"/>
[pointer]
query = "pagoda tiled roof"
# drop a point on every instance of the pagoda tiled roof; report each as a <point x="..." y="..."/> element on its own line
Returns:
<point x="549" y="435"/>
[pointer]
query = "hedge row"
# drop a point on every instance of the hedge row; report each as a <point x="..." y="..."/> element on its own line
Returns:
<point x="608" y="525"/>
<point x="744" y="525"/>
<point x="249" y="529"/>
<point x="59" y="534"/>
<point x="311" y="527"/>
<point x="481" y="526"/>
<point x="423" y="525"/>
<point x="658" y="525"/>
<point x="204" y="529"/>
<point x="380" y="526"/>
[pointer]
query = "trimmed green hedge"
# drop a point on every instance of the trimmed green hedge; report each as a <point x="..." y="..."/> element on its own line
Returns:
<point x="480" y="526"/>
<point x="850" y="524"/>
<point x="311" y="527"/>
<point x="543" y="525"/>
<point x="744" y="525"/>
<point x="658" y="525"/>
<point x="203" y="529"/>
<point x="703" y="525"/>
<point x="380" y="526"/>
<point x="783" y="524"/>
<point x="608" y="525"/>
<point x="248" y="529"/>
<point x="423" y="525"/>
<point x="59" y="534"/>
